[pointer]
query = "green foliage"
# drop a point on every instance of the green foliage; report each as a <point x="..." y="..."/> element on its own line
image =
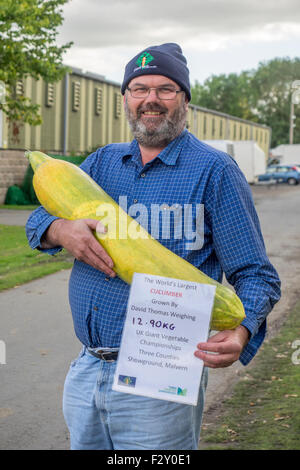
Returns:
<point x="28" y="31"/>
<point x="271" y="89"/>
<point x="262" y="95"/>
<point x="225" y="93"/>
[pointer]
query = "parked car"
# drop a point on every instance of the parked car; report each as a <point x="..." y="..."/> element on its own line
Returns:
<point x="282" y="174"/>
<point x="296" y="165"/>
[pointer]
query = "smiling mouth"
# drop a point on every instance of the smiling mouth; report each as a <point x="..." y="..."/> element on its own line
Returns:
<point x="152" y="113"/>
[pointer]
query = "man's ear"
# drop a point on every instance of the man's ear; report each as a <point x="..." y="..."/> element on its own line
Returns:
<point x="124" y="101"/>
<point x="186" y="104"/>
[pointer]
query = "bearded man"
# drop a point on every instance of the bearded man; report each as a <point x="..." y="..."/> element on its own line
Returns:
<point x="163" y="165"/>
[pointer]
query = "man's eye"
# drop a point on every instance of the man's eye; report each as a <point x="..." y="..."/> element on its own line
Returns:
<point x="166" y="90"/>
<point x="140" y="90"/>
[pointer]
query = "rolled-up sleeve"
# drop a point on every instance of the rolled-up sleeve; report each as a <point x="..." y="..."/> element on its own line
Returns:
<point x="37" y="224"/>
<point x="240" y="249"/>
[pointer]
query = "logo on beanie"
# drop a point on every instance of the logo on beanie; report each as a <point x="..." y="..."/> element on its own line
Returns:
<point x="144" y="59"/>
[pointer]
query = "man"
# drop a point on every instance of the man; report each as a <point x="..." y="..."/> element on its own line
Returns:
<point x="164" y="164"/>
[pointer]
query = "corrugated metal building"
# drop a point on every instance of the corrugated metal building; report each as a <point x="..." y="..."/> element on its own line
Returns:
<point x="84" y="111"/>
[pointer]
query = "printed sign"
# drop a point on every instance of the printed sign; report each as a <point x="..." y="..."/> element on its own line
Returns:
<point x="166" y="319"/>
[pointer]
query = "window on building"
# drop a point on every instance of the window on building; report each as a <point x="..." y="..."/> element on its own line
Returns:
<point x="213" y="129"/>
<point x="195" y="121"/>
<point x="118" y="105"/>
<point x="234" y="131"/>
<point x="241" y="132"/>
<point x="204" y="125"/>
<point x="246" y="133"/>
<point x="19" y="90"/>
<point x="75" y="96"/>
<point x="98" y="100"/>
<point x="49" y="94"/>
<point x="221" y="127"/>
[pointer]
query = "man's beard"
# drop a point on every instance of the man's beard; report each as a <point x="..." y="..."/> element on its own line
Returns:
<point x="157" y="134"/>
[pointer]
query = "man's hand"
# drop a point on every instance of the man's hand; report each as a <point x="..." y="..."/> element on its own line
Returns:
<point x="76" y="236"/>
<point x="228" y="345"/>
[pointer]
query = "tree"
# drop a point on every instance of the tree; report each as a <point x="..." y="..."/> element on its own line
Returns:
<point x="262" y="95"/>
<point x="225" y="93"/>
<point x="28" y="31"/>
<point x="271" y="92"/>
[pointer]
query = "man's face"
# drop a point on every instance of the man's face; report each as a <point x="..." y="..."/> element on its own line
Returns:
<point x="155" y="122"/>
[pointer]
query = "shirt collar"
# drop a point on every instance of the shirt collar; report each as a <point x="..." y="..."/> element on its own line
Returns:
<point x="168" y="155"/>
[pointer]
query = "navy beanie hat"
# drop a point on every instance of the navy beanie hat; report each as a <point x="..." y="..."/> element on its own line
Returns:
<point x="166" y="60"/>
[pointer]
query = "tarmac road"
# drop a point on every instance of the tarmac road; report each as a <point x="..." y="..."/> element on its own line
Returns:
<point x="278" y="208"/>
<point x="40" y="342"/>
<point x="14" y="217"/>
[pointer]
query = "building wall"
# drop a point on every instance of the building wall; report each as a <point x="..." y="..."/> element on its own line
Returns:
<point x="13" y="166"/>
<point x="92" y="115"/>
<point x="212" y="125"/>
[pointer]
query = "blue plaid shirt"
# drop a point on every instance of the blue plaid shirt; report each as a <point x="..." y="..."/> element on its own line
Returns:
<point x="187" y="171"/>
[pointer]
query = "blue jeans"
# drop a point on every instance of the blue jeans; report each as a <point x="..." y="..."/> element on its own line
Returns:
<point x="101" y="418"/>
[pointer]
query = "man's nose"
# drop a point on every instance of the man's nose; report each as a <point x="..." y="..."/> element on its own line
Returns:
<point x="152" y="96"/>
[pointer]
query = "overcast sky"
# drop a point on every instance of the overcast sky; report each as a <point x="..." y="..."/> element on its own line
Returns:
<point x="217" y="36"/>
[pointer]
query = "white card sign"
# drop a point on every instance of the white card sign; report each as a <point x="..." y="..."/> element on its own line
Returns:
<point x="166" y="319"/>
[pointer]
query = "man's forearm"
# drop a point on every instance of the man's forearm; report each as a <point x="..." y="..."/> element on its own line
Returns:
<point x="244" y="334"/>
<point x="51" y="238"/>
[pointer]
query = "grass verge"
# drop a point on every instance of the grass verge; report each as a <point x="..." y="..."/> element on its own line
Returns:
<point x="30" y="207"/>
<point x="20" y="264"/>
<point x="263" y="411"/>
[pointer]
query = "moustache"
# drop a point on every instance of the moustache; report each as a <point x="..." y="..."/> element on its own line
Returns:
<point x="151" y="107"/>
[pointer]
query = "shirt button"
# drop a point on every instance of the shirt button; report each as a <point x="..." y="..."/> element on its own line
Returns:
<point x="107" y="278"/>
<point x="135" y="201"/>
<point x="143" y="175"/>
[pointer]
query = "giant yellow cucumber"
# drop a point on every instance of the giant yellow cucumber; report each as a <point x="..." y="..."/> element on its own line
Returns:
<point x="68" y="192"/>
